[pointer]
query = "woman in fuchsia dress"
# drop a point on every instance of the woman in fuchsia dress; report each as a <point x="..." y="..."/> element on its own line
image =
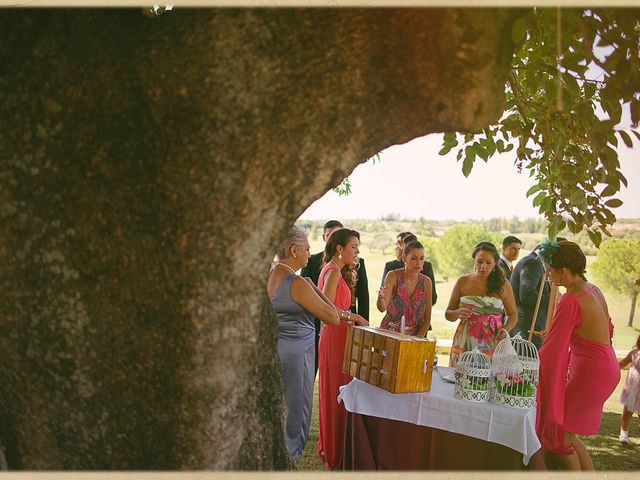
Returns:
<point x="580" y="339"/>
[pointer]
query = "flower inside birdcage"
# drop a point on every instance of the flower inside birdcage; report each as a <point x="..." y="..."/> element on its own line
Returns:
<point x="515" y="373"/>
<point x="471" y="382"/>
<point x="511" y="383"/>
<point x="473" y="374"/>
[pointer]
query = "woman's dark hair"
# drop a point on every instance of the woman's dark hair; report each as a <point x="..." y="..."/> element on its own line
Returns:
<point x="569" y="255"/>
<point x="638" y="342"/>
<point x="411" y="245"/>
<point x="341" y="237"/>
<point x="496" y="279"/>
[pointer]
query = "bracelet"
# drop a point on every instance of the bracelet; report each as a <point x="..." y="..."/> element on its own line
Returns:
<point x="346" y="314"/>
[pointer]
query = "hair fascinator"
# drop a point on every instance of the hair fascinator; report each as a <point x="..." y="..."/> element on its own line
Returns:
<point x="547" y="249"/>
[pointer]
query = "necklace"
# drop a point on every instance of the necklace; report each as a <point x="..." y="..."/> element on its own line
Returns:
<point x="285" y="265"/>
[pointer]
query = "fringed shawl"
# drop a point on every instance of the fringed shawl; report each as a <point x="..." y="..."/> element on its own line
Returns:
<point x="554" y="360"/>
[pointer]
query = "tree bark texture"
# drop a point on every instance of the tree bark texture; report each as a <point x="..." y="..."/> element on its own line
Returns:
<point x="150" y="166"/>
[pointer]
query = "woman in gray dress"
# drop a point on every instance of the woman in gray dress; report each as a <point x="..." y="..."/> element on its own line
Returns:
<point x="297" y="301"/>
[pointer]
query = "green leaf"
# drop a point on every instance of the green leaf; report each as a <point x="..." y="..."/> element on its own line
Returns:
<point x="554" y="227"/>
<point x="519" y="30"/>
<point x="613" y="203"/>
<point x="622" y="178"/>
<point x="467" y="165"/>
<point x="574" y="227"/>
<point x="445" y="150"/>
<point x="450" y="138"/>
<point x="595" y="237"/>
<point x="625" y="138"/>
<point x="578" y="198"/>
<point x="539" y="198"/>
<point x="532" y="190"/>
<point x="608" y="191"/>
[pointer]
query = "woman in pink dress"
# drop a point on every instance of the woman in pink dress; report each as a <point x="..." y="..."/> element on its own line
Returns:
<point x="341" y="250"/>
<point x="579" y="338"/>
<point x="407" y="293"/>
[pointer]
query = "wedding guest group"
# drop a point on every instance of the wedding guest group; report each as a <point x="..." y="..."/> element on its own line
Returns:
<point x="578" y="366"/>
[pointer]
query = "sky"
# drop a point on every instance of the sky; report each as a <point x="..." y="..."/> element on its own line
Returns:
<point x="413" y="181"/>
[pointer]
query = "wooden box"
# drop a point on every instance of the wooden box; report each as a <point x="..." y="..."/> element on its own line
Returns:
<point x="393" y="361"/>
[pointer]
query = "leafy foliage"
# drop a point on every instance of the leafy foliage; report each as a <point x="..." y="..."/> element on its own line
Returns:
<point x="572" y="74"/>
<point x="454" y="249"/>
<point x="617" y="266"/>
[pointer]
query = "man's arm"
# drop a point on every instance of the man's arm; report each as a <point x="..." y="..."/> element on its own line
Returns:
<point x="362" y="291"/>
<point x="427" y="269"/>
<point x="384" y="273"/>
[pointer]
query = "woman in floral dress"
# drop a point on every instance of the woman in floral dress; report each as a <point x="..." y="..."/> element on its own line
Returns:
<point x="407" y="293"/>
<point x="479" y="300"/>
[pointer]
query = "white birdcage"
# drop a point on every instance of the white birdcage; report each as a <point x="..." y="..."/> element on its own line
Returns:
<point x="473" y="374"/>
<point x="514" y="373"/>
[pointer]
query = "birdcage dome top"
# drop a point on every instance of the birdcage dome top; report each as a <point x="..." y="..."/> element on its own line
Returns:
<point x="516" y="346"/>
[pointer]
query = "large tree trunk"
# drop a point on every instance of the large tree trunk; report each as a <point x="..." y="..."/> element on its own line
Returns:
<point x="150" y="167"/>
<point x="634" y="298"/>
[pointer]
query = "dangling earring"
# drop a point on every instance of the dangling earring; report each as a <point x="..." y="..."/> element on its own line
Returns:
<point x="339" y="256"/>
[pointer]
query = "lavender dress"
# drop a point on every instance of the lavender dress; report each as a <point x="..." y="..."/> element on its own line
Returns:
<point x="296" y="348"/>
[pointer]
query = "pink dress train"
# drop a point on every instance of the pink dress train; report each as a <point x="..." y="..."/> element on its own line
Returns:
<point x="573" y="405"/>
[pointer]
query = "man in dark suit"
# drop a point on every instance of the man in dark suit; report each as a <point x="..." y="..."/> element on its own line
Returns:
<point x="525" y="282"/>
<point x="359" y="304"/>
<point x="510" y="250"/>
<point x="427" y="269"/>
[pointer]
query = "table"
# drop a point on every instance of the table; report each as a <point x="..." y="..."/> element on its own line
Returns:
<point x="383" y="430"/>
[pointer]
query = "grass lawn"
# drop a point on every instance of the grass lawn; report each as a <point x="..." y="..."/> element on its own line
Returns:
<point x="605" y="450"/>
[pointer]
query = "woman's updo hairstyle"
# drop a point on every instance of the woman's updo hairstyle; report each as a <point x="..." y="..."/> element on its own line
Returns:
<point x="569" y="255"/>
<point x="496" y="279"/>
<point x="296" y="236"/>
<point x="411" y="245"/>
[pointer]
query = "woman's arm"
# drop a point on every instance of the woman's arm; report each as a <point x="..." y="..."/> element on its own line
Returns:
<point x="454" y="310"/>
<point x="426" y="317"/>
<point x="318" y="291"/>
<point x="330" y="286"/>
<point x="626" y="360"/>
<point x="510" y="309"/>
<point x="303" y="294"/>
<point x="384" y="295"/>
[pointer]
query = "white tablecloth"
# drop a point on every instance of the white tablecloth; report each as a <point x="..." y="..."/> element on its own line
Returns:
<point x="512" y="427"/>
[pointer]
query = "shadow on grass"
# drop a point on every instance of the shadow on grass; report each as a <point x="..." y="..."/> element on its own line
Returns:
<point x="606" y="452"/>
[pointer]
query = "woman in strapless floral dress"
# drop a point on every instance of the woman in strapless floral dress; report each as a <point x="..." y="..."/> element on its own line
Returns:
<point x="479" y="300"/>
